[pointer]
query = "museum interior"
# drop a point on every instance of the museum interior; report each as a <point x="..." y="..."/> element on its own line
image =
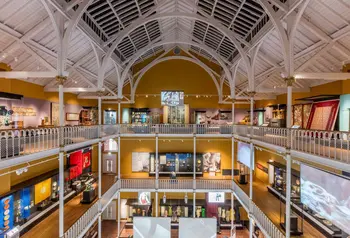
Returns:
<point x="175" y="118"/>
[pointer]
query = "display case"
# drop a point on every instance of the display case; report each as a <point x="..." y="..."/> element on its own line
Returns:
<point x="110" y="117"/>
<point x="135" y="209"/>
<point x="140" y="116"/>
<point x="88" y="116"/>
<point x="279" y="180"/>
<point x="278" y="116"/>
<point x="180" y="163"/>
<point x="176" y="208"/>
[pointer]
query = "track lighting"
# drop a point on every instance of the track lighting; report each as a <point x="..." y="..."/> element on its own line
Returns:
<point x="22" y="170"/>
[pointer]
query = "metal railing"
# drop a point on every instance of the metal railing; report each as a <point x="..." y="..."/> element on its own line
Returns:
<point x="76" y="134"/>
<point x="108" y="196"/>
<point x="171" y="184"/>
<point x="79" y="228"/>
<point x="242" y="196"/>
<point x="137" y="184"/>
<point x="217" y="184"/>
<point x="333" y="145"/>
<point x="264" y="223"/>
<point x="271" y="135"/>
<point x="27" y="141"/>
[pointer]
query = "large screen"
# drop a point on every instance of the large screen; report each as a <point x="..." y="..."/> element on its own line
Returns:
<point x="172" y="98"/>
<point x="326" y="194"/>
<point x="244" y="153"/>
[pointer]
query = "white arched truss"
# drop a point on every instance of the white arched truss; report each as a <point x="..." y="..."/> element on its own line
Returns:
<point x="155" y="62"/>
<point x="141" y="21"/>
<point x="138" y="54"/>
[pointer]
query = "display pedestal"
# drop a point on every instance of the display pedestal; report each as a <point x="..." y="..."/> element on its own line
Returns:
<point x="293" y="225"/>
<point x="89" y="196"/>
<point x="242" y="179"/>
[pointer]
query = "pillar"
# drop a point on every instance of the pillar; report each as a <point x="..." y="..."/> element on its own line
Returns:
<point x="233" y="111"/>
<point x="194" y="204"/>
<point x="194" y="160"/>
<point x="157" y="173"/>
<point x="60" y="80"/>
<point x="289" y="82"/>
<point x="233" y="213"/>
<point x="232" y="157"/>
<point x="119" y="205"/>
<point x="119" y="116"/>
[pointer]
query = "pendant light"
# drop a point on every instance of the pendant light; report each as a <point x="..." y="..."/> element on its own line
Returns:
<point x="164" y="198"/>
<point x="186" y="198"/>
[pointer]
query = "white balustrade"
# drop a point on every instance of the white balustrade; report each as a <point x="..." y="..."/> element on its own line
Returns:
<point x="108" y="196"/>
<point x="264" y="223"/>
<point x="170" y="184"/>
<point x="210" y="184"/>
<point x="137" y="184"/>
<point x="241" y="195"/>
<point x="333" y="145"/>
<point x="80" y="227"/>
<point x="271" y="135"/>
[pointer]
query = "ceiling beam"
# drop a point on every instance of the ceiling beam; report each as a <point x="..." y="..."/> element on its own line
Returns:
<point x="28" y="74"/>
<point x="75" y="90"/>
<point x="325" y="76"/>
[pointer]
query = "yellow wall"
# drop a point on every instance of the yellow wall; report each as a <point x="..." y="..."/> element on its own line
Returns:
<point x="31" y="90"/>
<point x="177" y="75"/>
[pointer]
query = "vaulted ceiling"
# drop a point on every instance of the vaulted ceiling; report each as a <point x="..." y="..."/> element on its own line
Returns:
<point x="322" y="42"/>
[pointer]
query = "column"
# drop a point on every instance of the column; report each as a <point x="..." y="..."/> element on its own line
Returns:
<point x="99" y="165"/>
<point x="233" y="211"/>
<point x="232" y="157"/>
<point x="157" y="172"/>
<point x="194" y="204"/>
<point x="119" y="116"/>
<point x="233" y="111"/>
<point x="60" y="80"/>
<point x="119" y="205"/>
<point x="251" y="225"/>
<point x="194" y="161"/>
<point x="289" y="82"/>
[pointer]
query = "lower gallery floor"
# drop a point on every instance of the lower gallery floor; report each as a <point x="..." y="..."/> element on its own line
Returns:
<point x="73" y="210"/>
<point x="270" y="205"/>
<point x="267" y="202"/>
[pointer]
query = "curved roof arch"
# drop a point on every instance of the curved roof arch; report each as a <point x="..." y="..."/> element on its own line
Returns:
<point x="124" y="33"/>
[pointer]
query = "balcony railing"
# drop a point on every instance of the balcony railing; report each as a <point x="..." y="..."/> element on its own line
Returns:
<point x="265" y="224"/>
<point x="136" y="184"/>
<point x="81" y="226"/>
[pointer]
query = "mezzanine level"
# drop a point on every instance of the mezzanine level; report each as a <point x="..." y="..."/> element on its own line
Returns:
<point x="330" y="148"/>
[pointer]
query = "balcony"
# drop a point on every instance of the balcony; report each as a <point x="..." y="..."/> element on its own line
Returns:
<point x="331" y="148"/>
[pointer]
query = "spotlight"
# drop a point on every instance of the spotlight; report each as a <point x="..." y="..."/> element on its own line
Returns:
<point x="146" y="96"/>
<point x="16" y="59"/>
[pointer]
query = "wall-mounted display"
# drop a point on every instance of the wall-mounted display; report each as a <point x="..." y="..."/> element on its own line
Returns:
<point x="211" y="162"/>
<point x="140" y="161"/>
<point x="172" y="98"/>
<point x="326" y="194"/>
<point x="24" y="111"/>
<point x="216" y="197"/>
<point x="55" y="114"/>
<point x="243" y="154"/>
<point x="323" y="115"/>
<point x="42" y="191"/>
<point x="6" y="213"/>
<point x="72" y="116"/>
<point x="213" y="117"/>
<point x="144" y="198"/>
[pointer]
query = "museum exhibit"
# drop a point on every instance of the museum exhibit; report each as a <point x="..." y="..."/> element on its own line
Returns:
<point x="175" y="118"/>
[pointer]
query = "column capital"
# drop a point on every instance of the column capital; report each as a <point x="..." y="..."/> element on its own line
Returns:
<point x="251" y="94"/>
<point x="61" y="79"/>
<point x="100" y="93"/>
<point x="234" y="100"/>
<point x="290" y="80"/>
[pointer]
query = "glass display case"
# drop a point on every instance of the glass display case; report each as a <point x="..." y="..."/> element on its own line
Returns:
<point x="176" y="115"/>
<point x="140" y="116"/>
<point x="110" y="117"/>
